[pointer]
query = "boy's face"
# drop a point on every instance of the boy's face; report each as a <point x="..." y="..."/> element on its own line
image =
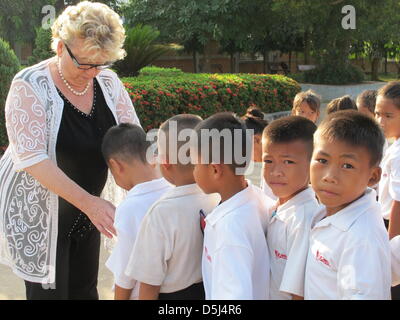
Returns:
<point x="340" y="173"/>
<point x="305" y="111"/>
<point x="388" y="117"/>
<point x="286" y="167"/>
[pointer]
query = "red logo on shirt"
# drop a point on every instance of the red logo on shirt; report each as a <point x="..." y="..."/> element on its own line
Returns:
<point x="279" y="255"/>
<point x="322" y="259"/>
<point x="206" y="253"/>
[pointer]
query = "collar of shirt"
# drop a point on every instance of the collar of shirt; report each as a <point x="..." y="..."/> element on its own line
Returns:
<point x="148" y="186"/>
<point x="344" y="218"/>
<point x="182" y="191"/>
<point x="282" y="212"/>
<point x="231" y="204"/>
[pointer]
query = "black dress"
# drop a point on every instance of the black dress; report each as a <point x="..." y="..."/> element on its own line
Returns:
<point x="78" y="153"/>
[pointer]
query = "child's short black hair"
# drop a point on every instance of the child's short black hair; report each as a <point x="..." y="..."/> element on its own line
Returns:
<point x="125" y="142"/>
<point x="289" y="129"/>
<point x="254" y="119"/>
<point x="342" y="103"/>
<point x="367" y="99"/>
<point x="225" y="135"/>
<point x="356" y="129"/>
<point x="391" y="91"/>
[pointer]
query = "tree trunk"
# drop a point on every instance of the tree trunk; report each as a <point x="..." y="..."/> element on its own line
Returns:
<point x="60" y="6"/>
<point x="196" y="62"/>
<point x="374" y="68"/>
<point x="207" y="58"/>
<point x="386" y="62"/>
<point x="307" y="47"/>
<point x="232" y="62"/>
<point x="237" y="61"/>
<point x="265" y="62"/>
<point x="398" y="69"/>
<point x="290" y="62"/>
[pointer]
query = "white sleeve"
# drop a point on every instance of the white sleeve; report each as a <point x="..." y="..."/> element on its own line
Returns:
<point x="231" y="274"/>
<point x="394" y="184"/>
<point x="118" y="260"/>
<point x="124" y="108"/>
<point x="152" y="250"/>
<point x="362" y="273"/>
<point x="395" y="248"/>
<point x="295" y="268"/>
<point x="26" y="126"/>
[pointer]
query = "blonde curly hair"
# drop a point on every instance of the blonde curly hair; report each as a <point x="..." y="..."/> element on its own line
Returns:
<point x="98" y="24"/>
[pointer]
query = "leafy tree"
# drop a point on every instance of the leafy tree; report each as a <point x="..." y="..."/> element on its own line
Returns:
<point x="141" y="50"/>
<point x="42" y="49"/>
<point x="19" y="19"/>
<point x="193" y="22"/>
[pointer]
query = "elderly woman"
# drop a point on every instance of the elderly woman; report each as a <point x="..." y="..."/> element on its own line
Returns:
<point x="53" y="173"/>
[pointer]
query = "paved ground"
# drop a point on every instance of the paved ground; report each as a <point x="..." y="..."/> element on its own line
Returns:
<point x="12" y="287"/>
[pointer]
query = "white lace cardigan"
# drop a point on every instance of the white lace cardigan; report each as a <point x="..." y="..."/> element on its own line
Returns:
<point x="29" y="211"/>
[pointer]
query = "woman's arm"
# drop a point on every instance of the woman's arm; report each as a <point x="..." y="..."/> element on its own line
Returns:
<point x="99" y="211"/>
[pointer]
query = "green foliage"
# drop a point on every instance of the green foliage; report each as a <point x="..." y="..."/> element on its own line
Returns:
<point x="19" y="18"/>
<point x="158" y="94"/>
<point x="141" y="50"/>
<point x="334" y="74"/>
<point x="42" y="49"/>
<point x="9" y="66"/>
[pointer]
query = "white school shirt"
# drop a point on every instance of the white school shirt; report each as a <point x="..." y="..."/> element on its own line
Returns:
<point x="267" y="190"/>
<point x="128" y="216"/>
<point x="287" y="237"/>
<point x="389" y="185"/>
<point x="235" y="260"/>
<point x="349" y="254"/>
<point x="395" y="248"/>
<point x="168" y="247"/>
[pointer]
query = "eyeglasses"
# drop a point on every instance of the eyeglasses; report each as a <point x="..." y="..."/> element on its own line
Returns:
<point x="87" y="66"/>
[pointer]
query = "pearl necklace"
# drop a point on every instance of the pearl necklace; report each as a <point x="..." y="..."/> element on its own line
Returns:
<point x="77" y="93"/>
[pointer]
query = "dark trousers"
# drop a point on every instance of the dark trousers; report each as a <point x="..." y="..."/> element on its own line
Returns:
<point x="77" y="263"/>
<point x="194" y="292"/>
<point x="395" y="290"/>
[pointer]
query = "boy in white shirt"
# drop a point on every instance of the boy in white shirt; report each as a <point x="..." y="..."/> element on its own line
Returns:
<point x="235" y="263"/>
<point x="124" y="148"/>
<point x="387" y="113"/>
<point x="166" y="258"/>
<point x="349" y="255"/>
<point x="287" y="150"/>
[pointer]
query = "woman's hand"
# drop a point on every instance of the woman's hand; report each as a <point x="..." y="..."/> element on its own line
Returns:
<point x="101" y="214"/>
<point x="99" y="211"/>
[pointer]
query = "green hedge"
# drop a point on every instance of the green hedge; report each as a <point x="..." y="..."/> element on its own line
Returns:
<point x="159" y="94"/>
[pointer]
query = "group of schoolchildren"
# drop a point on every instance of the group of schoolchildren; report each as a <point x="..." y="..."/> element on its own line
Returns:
<point x="315" y="229"/>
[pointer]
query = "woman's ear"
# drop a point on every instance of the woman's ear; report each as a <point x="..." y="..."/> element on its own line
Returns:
<point x="375" y="176"/>
<point x="60" y="47"/>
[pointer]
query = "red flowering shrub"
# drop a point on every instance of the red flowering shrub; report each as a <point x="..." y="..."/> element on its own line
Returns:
<point x="159" y="96"/>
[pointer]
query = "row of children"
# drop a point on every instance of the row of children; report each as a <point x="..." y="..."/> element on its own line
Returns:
<point x="201" y="230"/>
